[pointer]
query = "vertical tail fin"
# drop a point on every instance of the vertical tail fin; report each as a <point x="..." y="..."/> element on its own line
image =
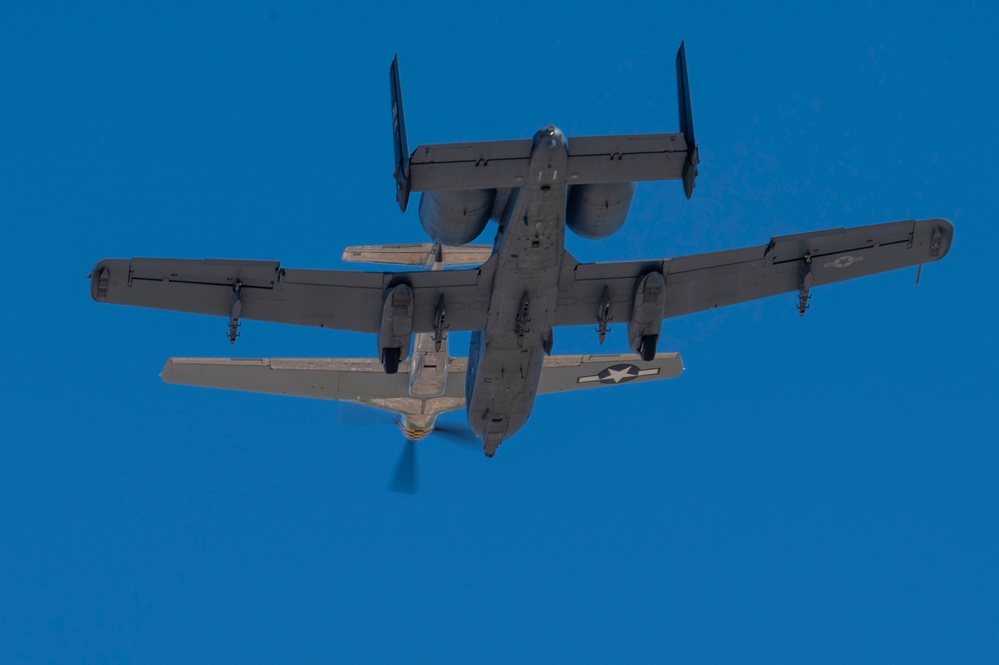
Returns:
<point x="686" y="121"/>
<point x="402" y="182"/>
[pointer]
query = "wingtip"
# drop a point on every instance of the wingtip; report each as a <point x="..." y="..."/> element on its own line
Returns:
<point x="941" y="239"/>
<point x="99" y="280"/>
<point x="167" y="371"/>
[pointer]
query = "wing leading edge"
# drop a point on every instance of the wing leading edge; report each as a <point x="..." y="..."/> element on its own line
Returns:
<point x="264" y="291"/>
<point x="353" y="300"/>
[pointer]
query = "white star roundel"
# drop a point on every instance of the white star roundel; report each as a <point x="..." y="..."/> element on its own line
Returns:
<point x="618" y="374"/>
<point x="843" y="261"/>
<point x="615" y="374"/>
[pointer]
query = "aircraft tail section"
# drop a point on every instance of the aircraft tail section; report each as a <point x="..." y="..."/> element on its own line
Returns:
<point x="689" y="171"/>
<point x="399" y="140"/>
<point x="506" y="164"/>
<point x="499" y="165"/>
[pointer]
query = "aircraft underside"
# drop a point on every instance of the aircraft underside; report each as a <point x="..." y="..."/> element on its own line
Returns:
<point x="519" y="290"/>
<point x="530" y="244"/>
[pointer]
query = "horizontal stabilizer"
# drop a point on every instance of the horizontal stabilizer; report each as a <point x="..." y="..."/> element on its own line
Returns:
<point x="504" y="164"/>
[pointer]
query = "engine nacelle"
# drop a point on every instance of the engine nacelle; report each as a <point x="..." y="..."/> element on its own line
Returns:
<point x="597" y="211"/>
<point x="457" y="216"/>
<point x="647" y="314"/>
<point x="396" y="330"/>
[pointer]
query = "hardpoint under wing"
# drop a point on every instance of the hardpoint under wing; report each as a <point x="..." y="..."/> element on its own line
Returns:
<point x="265" y="291"/>
<point x="594" y="292"/>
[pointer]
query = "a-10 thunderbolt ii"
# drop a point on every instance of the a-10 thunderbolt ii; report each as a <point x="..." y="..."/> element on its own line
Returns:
<point x="429" y="383"/>
<point x="529" y="284"/>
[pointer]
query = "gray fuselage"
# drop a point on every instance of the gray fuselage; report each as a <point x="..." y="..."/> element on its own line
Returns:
<point x="505" y="359"/>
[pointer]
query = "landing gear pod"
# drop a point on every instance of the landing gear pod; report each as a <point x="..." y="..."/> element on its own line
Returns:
<point x="647" y="315"/>
<point x="396" y="329"/>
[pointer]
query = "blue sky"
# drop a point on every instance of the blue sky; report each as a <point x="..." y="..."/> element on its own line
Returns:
<point x="810" y="490"/>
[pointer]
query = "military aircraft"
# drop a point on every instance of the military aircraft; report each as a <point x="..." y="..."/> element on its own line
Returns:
<point x="529" y="284"/>
<point x="428" y="384"/>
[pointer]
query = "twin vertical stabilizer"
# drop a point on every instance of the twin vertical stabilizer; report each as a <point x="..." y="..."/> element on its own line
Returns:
<point x="399" y="141"/>
<point x="686" y="121"/>
<point x="498" y="165"/>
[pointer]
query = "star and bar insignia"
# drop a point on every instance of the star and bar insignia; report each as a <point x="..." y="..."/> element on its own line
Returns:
<point x="618" y="374"/>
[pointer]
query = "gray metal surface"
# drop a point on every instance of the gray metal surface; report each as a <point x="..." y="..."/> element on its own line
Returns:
<point x="706" y="281"/>
<point x="349" y="300"/>
<point x="340" y="299"/>
<point x="347" y="379"/>
<point x="364" y="381"/>
<point x="592" y="159"/>
<point x="505" y="358"/>
<point x="564" y="373"/>
<point x="514" y="299"/>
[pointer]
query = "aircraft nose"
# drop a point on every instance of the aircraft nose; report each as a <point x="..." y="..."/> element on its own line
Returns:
<point x="551" y="137"/>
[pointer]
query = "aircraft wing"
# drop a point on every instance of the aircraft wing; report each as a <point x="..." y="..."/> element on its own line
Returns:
<point x="340" y="299"/>
<point x="785" y="265"/>
<point x="358" y="380"/>
<point x="563" y="373"/>
<point x="364" y="381"/>
<point x="349" y="379"/>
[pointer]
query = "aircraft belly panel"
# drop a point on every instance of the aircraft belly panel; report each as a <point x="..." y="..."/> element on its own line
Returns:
<point x="506" y="384"/>
<point x="522" y="307"/>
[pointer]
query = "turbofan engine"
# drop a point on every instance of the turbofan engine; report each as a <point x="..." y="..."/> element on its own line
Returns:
<point x="597" y="211"/>
<point x="456" y="216"/>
